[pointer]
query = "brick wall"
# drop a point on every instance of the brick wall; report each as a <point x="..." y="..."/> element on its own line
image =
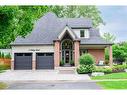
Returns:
<point x="97" y="53"/>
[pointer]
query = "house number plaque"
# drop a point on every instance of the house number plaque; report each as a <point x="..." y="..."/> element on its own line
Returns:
<point x="34" y="49"/>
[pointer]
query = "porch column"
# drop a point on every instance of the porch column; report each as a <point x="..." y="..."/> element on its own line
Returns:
<point x="110" y="56"/>
<point x="57" y="53"/>
<point x="76" y="52"/>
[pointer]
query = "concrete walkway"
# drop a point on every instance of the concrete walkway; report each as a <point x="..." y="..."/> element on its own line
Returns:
<point x="41" y="75"/>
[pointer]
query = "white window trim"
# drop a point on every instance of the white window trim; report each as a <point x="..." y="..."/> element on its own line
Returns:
<point x="86" y="33"/>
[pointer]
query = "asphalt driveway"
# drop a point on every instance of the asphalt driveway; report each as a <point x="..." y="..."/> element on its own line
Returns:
<point x="54" y="85"/>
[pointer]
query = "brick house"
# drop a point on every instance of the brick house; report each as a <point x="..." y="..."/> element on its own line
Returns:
<point x="54" y="39"/>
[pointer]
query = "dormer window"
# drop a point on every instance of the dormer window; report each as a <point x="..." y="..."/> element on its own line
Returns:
<point x="84" y="33"/>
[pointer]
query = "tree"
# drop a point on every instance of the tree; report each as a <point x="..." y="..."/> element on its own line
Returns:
<point x="18" y="20"/>
<point x="109" y="37"/>
<point x="79" y="11"/>
<point x="120" y="52"/>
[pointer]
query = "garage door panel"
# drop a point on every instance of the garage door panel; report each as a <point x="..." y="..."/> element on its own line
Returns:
<point x="45" y="61"/>
<point x="23" y="61"/>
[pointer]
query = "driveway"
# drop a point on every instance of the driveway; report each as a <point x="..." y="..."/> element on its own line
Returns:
<point x="46" y="79"/>
<point x="54" y="85"/>
<point x="41" y="75"/>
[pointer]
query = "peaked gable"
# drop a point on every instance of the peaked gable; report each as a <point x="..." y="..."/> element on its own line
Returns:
<point x="67" y="30"/>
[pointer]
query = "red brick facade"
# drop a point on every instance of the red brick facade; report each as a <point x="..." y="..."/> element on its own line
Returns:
<point x="98" y="54"/>
<point x="57" y="53"/>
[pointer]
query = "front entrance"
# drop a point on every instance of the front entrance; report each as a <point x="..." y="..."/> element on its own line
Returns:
<point x="67" y="58"/>
<point x="67" y="54"/>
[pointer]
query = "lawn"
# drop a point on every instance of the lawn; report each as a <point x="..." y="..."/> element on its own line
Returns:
<point x="111" y="76"/>
<point x="3" y="85"/>
<point x="1" y="71"/>
<point x="113" y="84"/>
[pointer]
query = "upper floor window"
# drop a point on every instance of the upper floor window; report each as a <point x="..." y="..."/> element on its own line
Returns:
<point x="84" y="33"/>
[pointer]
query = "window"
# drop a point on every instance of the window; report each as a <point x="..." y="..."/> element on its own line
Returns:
<point x="82" y="34"/>
<point x="83" y="51"/>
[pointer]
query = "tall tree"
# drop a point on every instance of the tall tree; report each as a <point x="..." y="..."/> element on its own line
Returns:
<point x="91" y="12"/>
<point x="17" y="21"/>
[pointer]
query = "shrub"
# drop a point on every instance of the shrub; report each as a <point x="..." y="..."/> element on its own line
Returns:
<point x="86" y="64"/>
<point x="103" y="69"/>
<point x="2" y="55"/>
<point x="8" y="56"/>
<point x="61" y="62"/>
<point x="84" y="69"/>
<point x="5" y="66"/>
<point x="119" y="68"/>
<point x="86" y="59"/>
<point x="72" y="63"/>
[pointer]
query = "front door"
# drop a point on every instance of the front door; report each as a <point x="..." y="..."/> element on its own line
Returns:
<point x="67" y="56"/>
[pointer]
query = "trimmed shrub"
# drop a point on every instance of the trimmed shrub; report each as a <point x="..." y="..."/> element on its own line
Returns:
<point x="86" y="59"/>
<point x="84" y="69"/>
<point x="2" y="55"/>
<point x="86" y="64"/>
<point x="5" y="66"/>
<point x="103" y="69"/>
<point x="61" y="62"/>
<point x="119" y="68"/>
<point x="8" y="56"/>
<point x="72" y="63"/>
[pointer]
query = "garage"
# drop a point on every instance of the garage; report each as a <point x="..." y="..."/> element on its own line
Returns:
<point x="44" y="61"/>
<point x="23" y="61"/>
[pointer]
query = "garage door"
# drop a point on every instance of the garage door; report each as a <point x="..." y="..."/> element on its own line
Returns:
<point x="23" y="61"/>
<point x="44" y="61"/>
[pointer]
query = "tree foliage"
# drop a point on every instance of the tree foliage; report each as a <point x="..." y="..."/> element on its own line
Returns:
<point x="109" y="37"/>
<point x="18" y="20"/>
<point x="79" y="11"/>
<point x="120" y="52"/>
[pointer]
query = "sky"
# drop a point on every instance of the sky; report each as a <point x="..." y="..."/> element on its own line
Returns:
<point x="115" y="18"/>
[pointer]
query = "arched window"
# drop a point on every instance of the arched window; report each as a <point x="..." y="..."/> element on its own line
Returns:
<point x="67" y="44"/>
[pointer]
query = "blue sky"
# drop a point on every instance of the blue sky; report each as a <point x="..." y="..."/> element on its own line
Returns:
<point x="115" y="18"/>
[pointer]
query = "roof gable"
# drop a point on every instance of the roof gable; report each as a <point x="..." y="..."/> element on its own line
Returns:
<point x="69" y="31"/>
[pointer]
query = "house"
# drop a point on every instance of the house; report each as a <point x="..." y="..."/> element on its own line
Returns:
<point x="54" y="39"/>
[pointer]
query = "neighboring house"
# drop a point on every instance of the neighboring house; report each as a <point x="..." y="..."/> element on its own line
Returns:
<point x="54" y="39"/>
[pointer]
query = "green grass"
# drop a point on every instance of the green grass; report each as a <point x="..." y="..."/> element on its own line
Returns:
<point x="111" y="76"/>
<point x="3" y="85"/>
<point x="1" y="71"/>
<point x="113" y="84"/>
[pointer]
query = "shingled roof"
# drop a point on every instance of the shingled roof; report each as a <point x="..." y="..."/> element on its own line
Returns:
<point x="48" y="27"/>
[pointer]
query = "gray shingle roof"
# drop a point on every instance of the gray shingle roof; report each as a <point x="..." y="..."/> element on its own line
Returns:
<point x="48" y="27"/>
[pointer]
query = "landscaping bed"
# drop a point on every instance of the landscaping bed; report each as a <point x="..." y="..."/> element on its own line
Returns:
<point x="113" y="84"/>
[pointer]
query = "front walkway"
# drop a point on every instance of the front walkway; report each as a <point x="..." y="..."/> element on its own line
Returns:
<point x="41" y="75"/>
